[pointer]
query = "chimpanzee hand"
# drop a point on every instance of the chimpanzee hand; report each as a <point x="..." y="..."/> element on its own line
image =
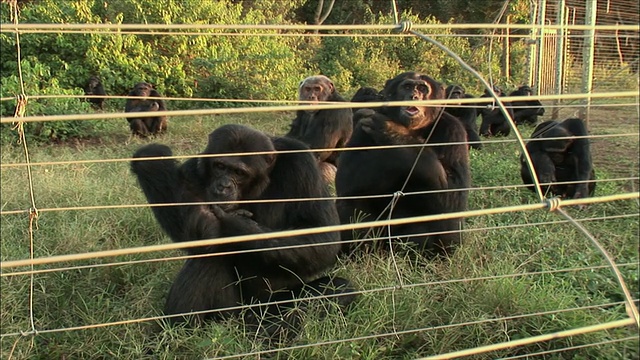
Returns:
<point x="237" y="221"/>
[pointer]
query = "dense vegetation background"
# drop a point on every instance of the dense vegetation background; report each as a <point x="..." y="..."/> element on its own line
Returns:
<point x="221" y="64"/>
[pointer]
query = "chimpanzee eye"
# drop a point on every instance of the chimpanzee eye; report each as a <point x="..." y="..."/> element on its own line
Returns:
<point x="423" y="89"/>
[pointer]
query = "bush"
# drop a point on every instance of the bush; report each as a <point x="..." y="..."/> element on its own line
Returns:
<point x="38" y="80"/>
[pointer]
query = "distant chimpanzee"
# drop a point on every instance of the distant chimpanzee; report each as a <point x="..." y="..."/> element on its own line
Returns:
<point x="467" y="113"/>
<point x="526" y="111"/>
<point x="494" y="123"/>
<point x="322" y="129"/>
<point x="363" y="173"/>
<point x="561" y="158"/>
<point x="268" y="272"/>
<point x="94" y="87"/>
<point x="145" y="126"/>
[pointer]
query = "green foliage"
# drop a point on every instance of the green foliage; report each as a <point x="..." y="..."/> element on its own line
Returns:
<point x="37" y="80"/>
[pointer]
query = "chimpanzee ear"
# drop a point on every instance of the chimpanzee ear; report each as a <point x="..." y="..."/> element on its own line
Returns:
<point x="332" y="87"/>
<point x="270" y="159"/>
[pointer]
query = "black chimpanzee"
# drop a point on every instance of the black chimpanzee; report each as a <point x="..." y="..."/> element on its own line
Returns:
<point x="94" y="87"/>
<point x="322" y="129"/>
<point x="467" y="113"/>
<point x="564" y="156"/>
<point x="268" y="271"/>
<point x="149" y="101"/>
<point x="494" y="123"/>
<point x="526" y="111"/>
<point x="367" y="94"/>
<point x="412" y="170"/>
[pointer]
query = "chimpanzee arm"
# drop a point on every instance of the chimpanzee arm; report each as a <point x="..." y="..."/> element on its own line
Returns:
<point x="454" y="158"/>
<point x="162" y="183"/>
<point x="580" y="151"/>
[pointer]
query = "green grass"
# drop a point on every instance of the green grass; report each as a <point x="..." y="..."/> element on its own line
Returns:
<point x="510" y="263"/>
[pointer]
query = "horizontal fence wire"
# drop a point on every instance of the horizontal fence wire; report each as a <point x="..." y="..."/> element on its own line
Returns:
<point x="13" y="269"/>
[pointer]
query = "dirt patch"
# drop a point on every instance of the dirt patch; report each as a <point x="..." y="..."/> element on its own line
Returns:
<point x="619" y="152"/>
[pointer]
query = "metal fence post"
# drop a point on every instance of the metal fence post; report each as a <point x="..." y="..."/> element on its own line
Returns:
<point x="591" y="11"/>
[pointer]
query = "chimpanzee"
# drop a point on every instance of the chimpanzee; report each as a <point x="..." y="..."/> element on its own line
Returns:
<point x="409" y="170"/>
<point x="564" y="157"/>
<point x="467" y="113"/>
<point x="322" y="129"/>
<point x="367" y="94"/>
<point x="94" y="87"/>
<point x="267" y="271"/>
<point x="149" y="101"/>
<point x="526" y="111"/>
<point x="494" y="123"/>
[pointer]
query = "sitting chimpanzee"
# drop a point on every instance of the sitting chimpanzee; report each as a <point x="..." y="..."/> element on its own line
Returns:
<point x="564" y="156"/>
<point x="322" y="129"/>
<point x="94" y="87"/>
<point x="494" y="123"/>
<point x="526" y="111"/>
<point x="257" y="271"/>
<point x="466" y="113"/>
<point x="415" y="171"/>
<point x="149" y="101"/>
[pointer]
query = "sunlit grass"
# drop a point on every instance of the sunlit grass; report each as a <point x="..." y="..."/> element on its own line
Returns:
<point x="424" y="300"/>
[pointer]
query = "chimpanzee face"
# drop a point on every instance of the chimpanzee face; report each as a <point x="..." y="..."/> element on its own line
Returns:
<point x="235" y="177"/>
<point x="93" y="82"/>
<point x="226" y="177"/>
<point x="143" y="89"/>
<point x="414" y="87"/>
<point x="315" y="89"/>
<point x="496" y="89"/>
<point x="455" y="92"/>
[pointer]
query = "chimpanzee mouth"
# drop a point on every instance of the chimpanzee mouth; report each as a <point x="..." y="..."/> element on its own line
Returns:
<point x="412" y="110"/>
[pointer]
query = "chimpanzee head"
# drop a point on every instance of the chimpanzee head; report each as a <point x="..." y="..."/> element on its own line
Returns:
<point x="366" y="94"/>
<point x="559" y="139"/>
<point x="142" y="89"/>
<point x="455" y="92"/>
<point x="496" y="89"/>
<point x="92" y="84"/>
<point x="524" y="90"/>
<point x="236" y="176"/>
<point x="315" y="89"/>
<point x="411" y="86"/>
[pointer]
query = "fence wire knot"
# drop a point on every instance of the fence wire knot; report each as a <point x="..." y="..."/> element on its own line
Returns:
<point x="553" y="204"/>
<point x="404" y="26"/>
<point x="397" y="194"/>
<point x="29" y="333"/>
<point x="21" y="105"/>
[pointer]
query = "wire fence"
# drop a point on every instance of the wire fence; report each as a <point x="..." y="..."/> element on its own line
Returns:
<point x="62" y="281"/>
